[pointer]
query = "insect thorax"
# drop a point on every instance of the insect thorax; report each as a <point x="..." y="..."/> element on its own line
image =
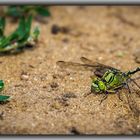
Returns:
<point x="113" y="79"/>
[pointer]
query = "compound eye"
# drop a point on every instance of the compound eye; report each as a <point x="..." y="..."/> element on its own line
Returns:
<point x="96" y="81"/>
<point x="95" y="88"/>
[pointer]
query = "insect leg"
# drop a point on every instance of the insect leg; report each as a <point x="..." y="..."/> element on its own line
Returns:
<point x="119" y="95"/>
<point x="104" y="98"/>
<point x="135" y="83"/>
<point x="137" y="78"/>
<point x="128" y="88"/>
<point x="87" y="94"/>
<point x="132" y="104"/>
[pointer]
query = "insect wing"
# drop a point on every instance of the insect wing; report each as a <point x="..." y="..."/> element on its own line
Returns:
<point x="75" y="66"/>
<point x="96" y="64"/>
<point x="99" y="69"/>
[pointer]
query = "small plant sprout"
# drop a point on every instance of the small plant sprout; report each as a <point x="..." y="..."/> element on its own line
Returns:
<point x="3" y="97"/>
<point x="20" y="38"/>
<point x="19" y="11"/>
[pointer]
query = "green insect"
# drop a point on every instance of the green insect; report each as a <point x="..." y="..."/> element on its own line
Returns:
<point x="107" y="80"/>
<point x="112" y="80"/>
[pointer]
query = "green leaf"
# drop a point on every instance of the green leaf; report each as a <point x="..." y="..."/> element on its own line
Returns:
<point x="35" y="33"/>
<point x="14" y="11"/>
<point x="18" y="11"/>
<point x="42" y="11"/>
<point x="2" y="26"/>
<point x="23" y="31"/>
<point x="3" y="98"/>
<point x="18" y="34"/>
<point x="1" y="84"/>
<point x="7" y="40"/>
<point x="28" y="26"/>
<point x="21" y="37"/>
<point x="20" y="31"/>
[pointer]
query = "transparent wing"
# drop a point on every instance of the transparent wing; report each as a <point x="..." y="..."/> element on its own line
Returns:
<point x="97" y="68"/>
<point x="96" y="64"/>
<point x="88" y="65"/>
<point x="76" y="66"/>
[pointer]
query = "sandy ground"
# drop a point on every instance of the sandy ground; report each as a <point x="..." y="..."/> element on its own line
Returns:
<point x="46" y="99"/>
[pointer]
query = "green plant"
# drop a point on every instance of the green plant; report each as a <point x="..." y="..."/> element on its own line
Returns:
<point x="20" y="38"/>
<point x="3" y="97"/>
<point x="2" y="26"/>
<point x="18" y="11"/>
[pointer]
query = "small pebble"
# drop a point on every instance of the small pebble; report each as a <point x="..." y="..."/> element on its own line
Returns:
<point x="24" y="77"/>
<point x="69" y="95"/>
<point x="2" y="115"/>
<point x="54" y="85"/>
<point x="120" y="54"/>
<point x="100" y="58"/>
<point x="44" y="86"/>
<point x="65" y="40"/>
<point x="57" y="29"/>
<point x="138" y="126"/>
<point x="31" y="66"/>
<point x="74" y="131"/>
